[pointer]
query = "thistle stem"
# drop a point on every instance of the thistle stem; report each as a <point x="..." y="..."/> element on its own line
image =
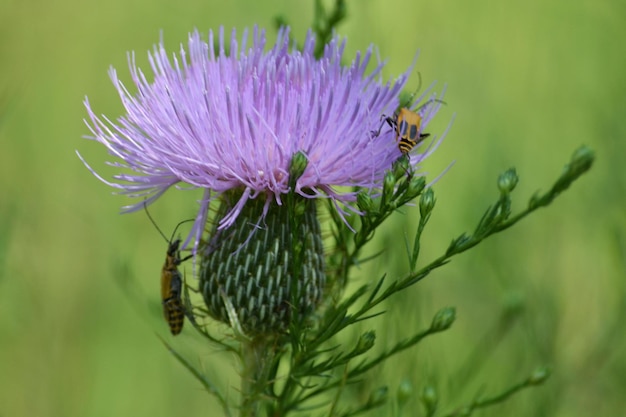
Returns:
<point x="257" y="357"/>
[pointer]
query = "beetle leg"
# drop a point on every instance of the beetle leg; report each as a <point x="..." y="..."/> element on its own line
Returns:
<point x="179" y="260"/>
<point x="383" y="119"/>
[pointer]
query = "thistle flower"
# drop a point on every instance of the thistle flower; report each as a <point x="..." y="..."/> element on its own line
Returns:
<point x="231" y="123"/>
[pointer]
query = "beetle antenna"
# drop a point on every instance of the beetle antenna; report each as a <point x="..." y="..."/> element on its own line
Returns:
<point x="432" y="100"/>
<point x="159" y="229"/>
<point x="419" y="85"/>
<point x="145" y="207"/>
<point x="177" y="226"/>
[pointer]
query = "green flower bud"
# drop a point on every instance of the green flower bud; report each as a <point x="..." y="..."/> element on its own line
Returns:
<point x="507" y="181"/>
<point x="364" y="201"/>
<point x="581" y="160"/>
<point x="427" y="202"/>
<point x="539" y="375"/>
<point x="416" y="186"/>
<point x="379" y="396"/>
<point x="429" y="399"/>
<point x="405" y="392"/>
<point x="389" y="186"/>
<point x="268" y="274"/>
<point x="366" y="341"/>
<point x="443" y="319"/>
<point x="535" y="201"/>
<point x="297" y="166"/>
<point x="401" y="167"/>
<point x="513" y="302"/>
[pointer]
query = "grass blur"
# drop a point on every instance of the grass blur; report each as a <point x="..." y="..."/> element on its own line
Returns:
<point x="529" y="82"/>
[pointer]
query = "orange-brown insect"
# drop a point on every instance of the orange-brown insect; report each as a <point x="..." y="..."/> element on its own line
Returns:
<point x="407" y="124"/>
<point x="172" y="282"/>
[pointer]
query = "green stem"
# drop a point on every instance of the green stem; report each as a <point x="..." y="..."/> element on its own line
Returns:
<point x="258" y="357"/>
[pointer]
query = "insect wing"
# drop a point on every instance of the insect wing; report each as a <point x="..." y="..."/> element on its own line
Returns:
<point x="408" y="125"/>
<point x="173" y="309"/>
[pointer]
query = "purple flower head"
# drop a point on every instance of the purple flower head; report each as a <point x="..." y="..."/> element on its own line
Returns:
<point x="225" y="121"/>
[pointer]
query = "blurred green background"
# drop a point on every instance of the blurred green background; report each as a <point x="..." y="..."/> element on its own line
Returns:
<point x="529" y="81"/>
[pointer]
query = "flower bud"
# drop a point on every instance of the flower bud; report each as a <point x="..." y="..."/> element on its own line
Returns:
<point x="297" y="166"/>
<point x="443" y="319"/>
<point x="427" y="202"/>
<point x="364" y="201"/>
<point x="581" y="160"/>
<point x="405" y="392"/>
<point x="366" y="341"/>
<point x="389" y="186"/>
<point x="379" y="396"/>
<point x="580" y="163"/>
<point x="269" y="274"/>
<point x="429" y="399"/>
<point x="401" y="166"/>
<point x="507" y="181"/>
<point x="416" y="186"/>
<point x="539" y="375"/>
<point x="513" y="302"/>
